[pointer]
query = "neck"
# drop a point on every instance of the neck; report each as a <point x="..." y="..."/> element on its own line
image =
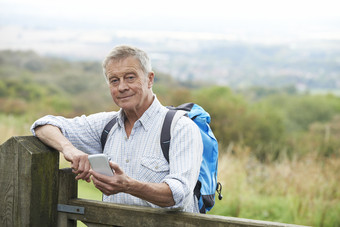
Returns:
<point x="131" y="116"/>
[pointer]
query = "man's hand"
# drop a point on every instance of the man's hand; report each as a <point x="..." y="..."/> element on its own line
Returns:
<point x="156" y="193"/>
<point x="111" y="185"/>
<point x="79" y="162"/>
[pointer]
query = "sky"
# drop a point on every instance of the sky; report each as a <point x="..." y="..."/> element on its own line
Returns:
<point x="29" y="24"/>
<point x="213" y="16"/>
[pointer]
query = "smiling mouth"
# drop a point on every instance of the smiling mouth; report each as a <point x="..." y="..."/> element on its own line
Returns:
<point x="125" y="97"/>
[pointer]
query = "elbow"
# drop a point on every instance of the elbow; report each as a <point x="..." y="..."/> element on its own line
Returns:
<point x="41" y="130"/>
<point x="168" y="200"/>
<point x="38" y="130"/>
<point x="168" y="203"/>
<point x="178" y="194"/>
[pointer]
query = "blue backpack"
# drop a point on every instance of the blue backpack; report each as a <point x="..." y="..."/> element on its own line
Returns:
<point x="207" y="181"/>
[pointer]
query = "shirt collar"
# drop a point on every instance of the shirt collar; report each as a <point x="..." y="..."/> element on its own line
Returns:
<point x="146" y="119"/>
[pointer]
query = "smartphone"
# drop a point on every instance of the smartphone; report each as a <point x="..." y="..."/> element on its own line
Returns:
<point x="100" y="163"/>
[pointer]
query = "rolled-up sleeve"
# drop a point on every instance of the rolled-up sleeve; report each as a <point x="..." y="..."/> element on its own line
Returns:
<point x="185" y="157"/>
<point x="83" y="132"/>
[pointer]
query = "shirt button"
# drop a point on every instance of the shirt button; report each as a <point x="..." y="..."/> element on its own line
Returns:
<point x="156" y="167"/>
<point x="127" y="161"/>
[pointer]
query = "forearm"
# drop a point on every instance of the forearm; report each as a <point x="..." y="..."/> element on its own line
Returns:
<point x="156" y="193"/>
<point x="52" y="136"/>
<point x="83" y="132"/>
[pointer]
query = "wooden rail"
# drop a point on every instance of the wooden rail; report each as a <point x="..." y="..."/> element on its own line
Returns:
<point x="34" y="192"/>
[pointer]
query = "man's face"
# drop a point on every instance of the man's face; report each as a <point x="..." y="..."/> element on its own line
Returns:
<point x="129" y="86"/>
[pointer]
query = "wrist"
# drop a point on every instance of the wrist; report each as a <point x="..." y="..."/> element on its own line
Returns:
<point x="65" y="147"/>
<point x="131" y="186"/>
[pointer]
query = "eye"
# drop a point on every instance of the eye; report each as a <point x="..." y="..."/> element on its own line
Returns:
<point x="130" y="78"/>
<point x="114" y="81"/>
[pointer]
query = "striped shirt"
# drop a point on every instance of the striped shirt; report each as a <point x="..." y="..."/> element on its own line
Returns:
<point x="140" y="155"/>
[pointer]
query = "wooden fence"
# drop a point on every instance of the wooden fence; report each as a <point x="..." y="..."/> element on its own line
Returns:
<point x="35" y="192"/>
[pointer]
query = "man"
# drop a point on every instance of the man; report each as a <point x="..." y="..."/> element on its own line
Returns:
<point x="142" y="174"/>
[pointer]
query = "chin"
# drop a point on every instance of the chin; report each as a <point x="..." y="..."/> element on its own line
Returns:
<point x="126" y="105"/>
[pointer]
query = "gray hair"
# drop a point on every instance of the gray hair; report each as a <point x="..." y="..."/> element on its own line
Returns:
<point x="122" y="52"/>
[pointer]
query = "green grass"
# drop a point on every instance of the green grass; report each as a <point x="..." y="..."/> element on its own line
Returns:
<point x="303" y="190"/>
<point x="88" y="191"/>
<point x="11" y="125"/>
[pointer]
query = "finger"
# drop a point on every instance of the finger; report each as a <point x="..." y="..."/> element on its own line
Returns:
<point x="74" y="166"/>
<point x="83" y="171"/>
<point x="100" y="177"/>
<point x="87" y="177"/>
<point x="103" y="190"/>
<point x="116" y="168"/>
<point x="81" y="175"/>
<point x="81" y="166"/>
<point x="84" y="175"/>
<point x="87" y="166"/>
<point x="98" y="183"/>
<point x="101" y="186"/>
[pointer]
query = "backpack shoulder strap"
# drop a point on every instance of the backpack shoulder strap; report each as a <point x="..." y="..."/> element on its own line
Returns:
<point x="169" y="123"/>
<point x="165" y="133"/>
<point x="106" y="131"/>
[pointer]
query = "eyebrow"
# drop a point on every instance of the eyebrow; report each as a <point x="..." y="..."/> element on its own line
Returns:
<point x="130" y="72"/>
<point x="123" y="74"/>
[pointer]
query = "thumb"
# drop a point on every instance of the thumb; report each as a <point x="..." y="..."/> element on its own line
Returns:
<point x="116" y="168"/>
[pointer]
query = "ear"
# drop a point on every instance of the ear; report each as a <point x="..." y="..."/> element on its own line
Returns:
<point x="151" y="77"/>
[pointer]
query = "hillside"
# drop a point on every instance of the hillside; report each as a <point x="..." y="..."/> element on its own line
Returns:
<point x="267" y="120"/>
<point x="32" y="83"/>
<point x="313" y="65"/>
<point x="279" y="149"/>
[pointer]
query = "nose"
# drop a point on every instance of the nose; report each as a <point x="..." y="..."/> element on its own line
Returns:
<point x="123" y="86"/>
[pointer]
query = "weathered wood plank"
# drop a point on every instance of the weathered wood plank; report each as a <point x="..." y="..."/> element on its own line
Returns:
<point x="29" y="183"/>
<point x="8" y="184"/>
<point x="68" y="189"/>
<point x="123" y="215"/>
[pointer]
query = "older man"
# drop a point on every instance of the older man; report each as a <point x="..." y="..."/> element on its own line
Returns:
<point x="142" y="174"/>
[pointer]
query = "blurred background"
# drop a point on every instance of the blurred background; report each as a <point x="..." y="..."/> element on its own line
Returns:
<point x="268" y="72"/>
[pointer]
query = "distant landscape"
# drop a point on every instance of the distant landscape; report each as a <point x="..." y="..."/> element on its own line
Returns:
<point x="279" y="145"/>
<point x="311" y="65"/>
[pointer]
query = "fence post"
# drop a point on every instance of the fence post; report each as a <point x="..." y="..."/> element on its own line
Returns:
<point x="28" y="183"/>
<point x="68" y="189"/>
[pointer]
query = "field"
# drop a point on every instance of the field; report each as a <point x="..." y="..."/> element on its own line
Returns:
<point x="300" y="191"/>
<point x="297" y="191"/>
<point x="279" y="147"/>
